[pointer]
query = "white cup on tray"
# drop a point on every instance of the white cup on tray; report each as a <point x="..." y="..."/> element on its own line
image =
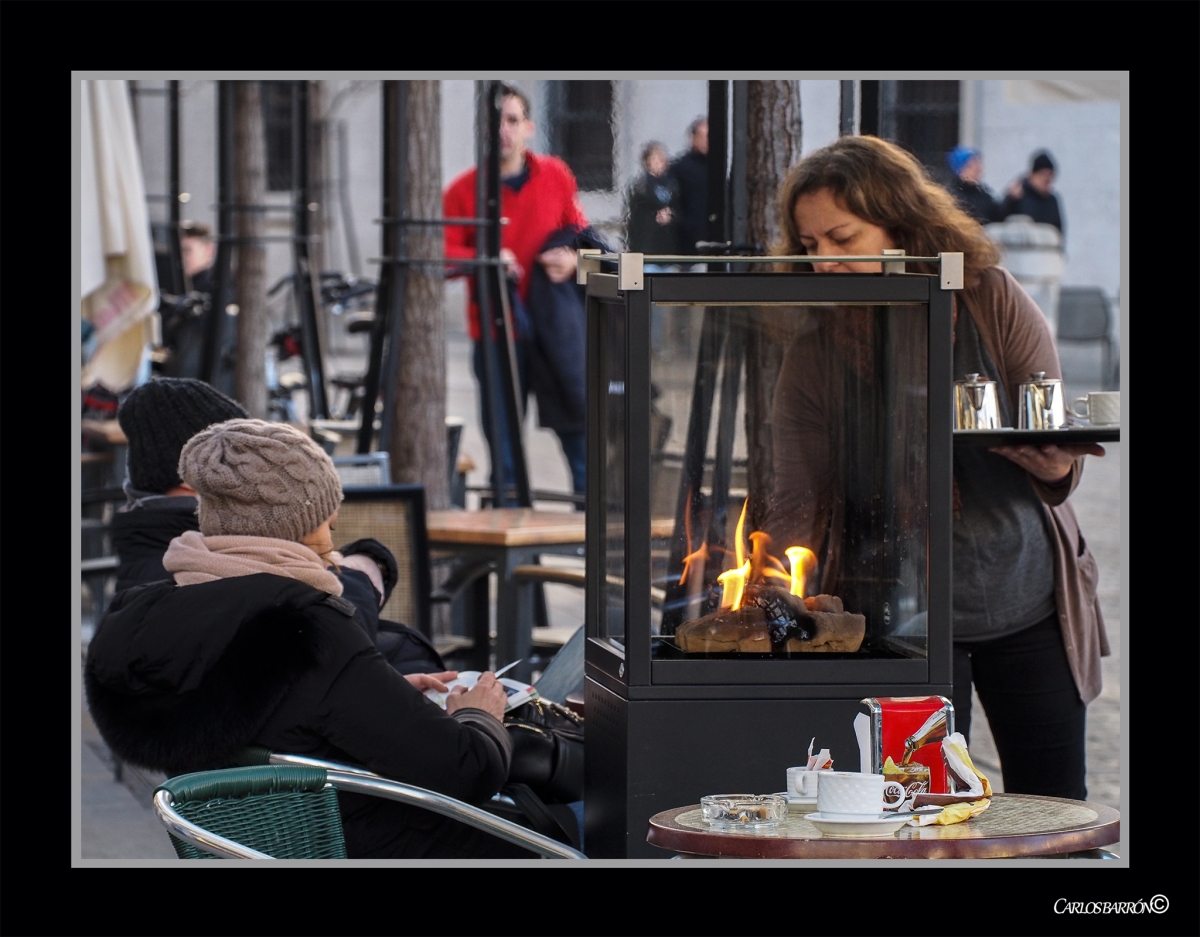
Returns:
<point x="1100" y="408"/>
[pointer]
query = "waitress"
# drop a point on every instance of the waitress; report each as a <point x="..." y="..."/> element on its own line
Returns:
<point x="1027" y="628"/>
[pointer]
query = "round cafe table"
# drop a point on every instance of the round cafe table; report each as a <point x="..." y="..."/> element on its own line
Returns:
<point x="1013" y="826"/>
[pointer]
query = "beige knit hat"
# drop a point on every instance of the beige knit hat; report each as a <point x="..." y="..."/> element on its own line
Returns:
<point x="260" y="479"/>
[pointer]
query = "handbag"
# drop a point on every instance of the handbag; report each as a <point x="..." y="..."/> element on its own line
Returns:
<point x="547" y="755"/>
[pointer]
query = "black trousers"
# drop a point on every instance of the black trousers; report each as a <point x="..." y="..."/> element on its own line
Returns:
<point x="1037" y="718"/>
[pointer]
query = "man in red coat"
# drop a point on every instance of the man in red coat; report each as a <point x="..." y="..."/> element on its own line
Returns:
<point x="538" y="196"/>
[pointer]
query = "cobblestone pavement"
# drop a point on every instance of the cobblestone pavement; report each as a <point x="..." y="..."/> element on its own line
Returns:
<point x="117" y="819"/>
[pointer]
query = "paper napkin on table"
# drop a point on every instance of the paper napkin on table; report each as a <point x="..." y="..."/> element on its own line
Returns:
<point x="966" y="775"/>
<point x="820" y="761"/>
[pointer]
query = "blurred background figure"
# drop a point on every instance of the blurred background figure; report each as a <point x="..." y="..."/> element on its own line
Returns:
<point x="198" y="250"/>
<point x="691" y="172"/>
<point x="1034" y="196"/>
<point x="652" y="206"/>
<point x="652" y="219"/>
<point x="968" y="187"/>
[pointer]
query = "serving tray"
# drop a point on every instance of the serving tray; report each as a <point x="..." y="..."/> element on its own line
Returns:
<point x="1072" y="435"/>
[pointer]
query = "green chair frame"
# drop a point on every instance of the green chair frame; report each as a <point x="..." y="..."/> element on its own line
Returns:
<point x="285" y="807"/>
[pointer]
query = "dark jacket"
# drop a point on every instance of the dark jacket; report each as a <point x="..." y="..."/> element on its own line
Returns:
<point x="977" y="201"/>
<point x="649" y="195"/>
<point x="1041" y="208"/>
<point x="557" y="347"/>
<point x="181" y="678"/>
<point x="691" y="171"/>
<point x="141" y="536"/>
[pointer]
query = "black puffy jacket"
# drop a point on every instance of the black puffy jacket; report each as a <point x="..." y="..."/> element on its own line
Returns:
<point x="181" y="678"/>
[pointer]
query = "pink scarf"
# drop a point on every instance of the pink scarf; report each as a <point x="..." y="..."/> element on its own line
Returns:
<point x="194" y="558"/>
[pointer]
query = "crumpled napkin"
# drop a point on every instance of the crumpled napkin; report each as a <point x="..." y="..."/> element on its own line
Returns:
<point x="820" y="761"/>
<point x="967" y="778"/>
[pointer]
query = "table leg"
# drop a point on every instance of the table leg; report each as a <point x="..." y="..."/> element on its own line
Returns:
<point x="514" y="619"/>
<point x="477" y="611"/>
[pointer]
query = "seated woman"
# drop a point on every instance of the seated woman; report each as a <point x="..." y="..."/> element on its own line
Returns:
<point x="158" y="418"/>
<point x="252" y="643"/>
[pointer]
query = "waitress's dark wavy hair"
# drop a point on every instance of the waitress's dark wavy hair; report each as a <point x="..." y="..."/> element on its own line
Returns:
<point x="886" y="186"/>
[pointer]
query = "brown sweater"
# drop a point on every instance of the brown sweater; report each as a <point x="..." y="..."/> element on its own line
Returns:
<point x="809" y="504"/>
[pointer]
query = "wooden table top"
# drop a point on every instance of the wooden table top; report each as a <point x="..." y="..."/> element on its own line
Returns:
<point x="1014" y="825"/>
<point x="506" y="527"/>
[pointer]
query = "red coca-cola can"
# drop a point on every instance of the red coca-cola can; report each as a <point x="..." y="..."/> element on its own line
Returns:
<point x="905" y="740"/>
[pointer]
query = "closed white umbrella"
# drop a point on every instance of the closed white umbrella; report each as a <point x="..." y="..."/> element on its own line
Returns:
<point x="119" y="287"/>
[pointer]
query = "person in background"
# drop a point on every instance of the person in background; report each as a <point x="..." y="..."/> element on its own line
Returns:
<point x="251" y="643"/>
<point x="652" y="207"/>
<point x="691" y="172"/>
<point x="968" y="187"/>
<point x="538" y="196"/>
<point x="1034" y="195"/>
<point x="199" y="251"/>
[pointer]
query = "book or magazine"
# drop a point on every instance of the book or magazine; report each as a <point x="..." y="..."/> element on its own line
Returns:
<point x="517" y="691"/>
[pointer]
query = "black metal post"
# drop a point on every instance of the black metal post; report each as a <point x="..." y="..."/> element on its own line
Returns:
<point x="846" y="117"/>
<point x="731" y="375"/>
<point x="223" y="266"/>
<point x="390" y="235"/>
<point x="303" y="279"/>
<point x="498" y="329"/>
<point x="173" y="186"/>
<point x="690" y="503"/>
<point x="718" y="158"/>
<point x="487" y="391"/>
<point x="870" y="108"/>
<point x="389" y="306"/>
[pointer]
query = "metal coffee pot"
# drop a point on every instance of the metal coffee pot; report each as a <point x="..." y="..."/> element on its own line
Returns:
<point x="976" y="405"/>
<point x="1041" y="402"/>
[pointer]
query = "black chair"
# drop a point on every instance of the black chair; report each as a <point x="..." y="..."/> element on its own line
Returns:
<point x="1085" y="315"/>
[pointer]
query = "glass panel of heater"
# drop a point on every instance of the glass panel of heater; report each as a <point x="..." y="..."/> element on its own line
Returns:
<point x="789" y="476"/>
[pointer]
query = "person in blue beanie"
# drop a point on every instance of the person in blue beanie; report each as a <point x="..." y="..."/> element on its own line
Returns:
<point x="967" y="166"/>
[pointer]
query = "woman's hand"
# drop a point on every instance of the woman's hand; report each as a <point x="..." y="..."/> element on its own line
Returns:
<point x="433" y="681"/>
<point x="487" y="694"/>
<point x="1049" y="464"/>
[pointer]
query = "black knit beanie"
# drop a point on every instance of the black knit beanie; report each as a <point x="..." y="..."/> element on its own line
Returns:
<point x="1042" y="161"/>
<point x="159" y="417"/>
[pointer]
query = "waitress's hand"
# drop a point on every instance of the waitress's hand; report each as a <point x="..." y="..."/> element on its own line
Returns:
<point x="1049" y="464"/>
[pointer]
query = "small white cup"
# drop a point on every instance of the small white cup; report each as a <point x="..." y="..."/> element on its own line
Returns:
<point x="846" y="795"/>
<point x="803" y="783"/>
<point x="1100" y="408"/>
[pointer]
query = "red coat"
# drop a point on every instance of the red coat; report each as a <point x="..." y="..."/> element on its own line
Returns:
<point x="547" y="202"/>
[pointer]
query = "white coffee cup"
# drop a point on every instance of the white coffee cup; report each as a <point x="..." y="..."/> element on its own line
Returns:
<point x="845" y="795"/>
<point x="803" y="783"/>
<point x="1100" y="408"/>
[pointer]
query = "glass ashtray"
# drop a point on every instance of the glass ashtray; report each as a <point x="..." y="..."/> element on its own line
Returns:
<point x="743" y="811"/>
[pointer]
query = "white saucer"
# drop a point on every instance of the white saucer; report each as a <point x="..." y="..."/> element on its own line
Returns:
<point x="881" y="825"/>
<point x="795" y="800"/>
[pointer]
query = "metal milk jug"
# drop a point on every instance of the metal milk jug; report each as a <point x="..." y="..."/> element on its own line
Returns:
<point x="1041" y="403"/>
<point x="976" y="405"/>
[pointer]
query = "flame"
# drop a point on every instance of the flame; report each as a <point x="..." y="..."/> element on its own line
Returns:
<point x="734" y="583"/>
<point x="738" y="540"/>
<point x="802" y="560"/>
